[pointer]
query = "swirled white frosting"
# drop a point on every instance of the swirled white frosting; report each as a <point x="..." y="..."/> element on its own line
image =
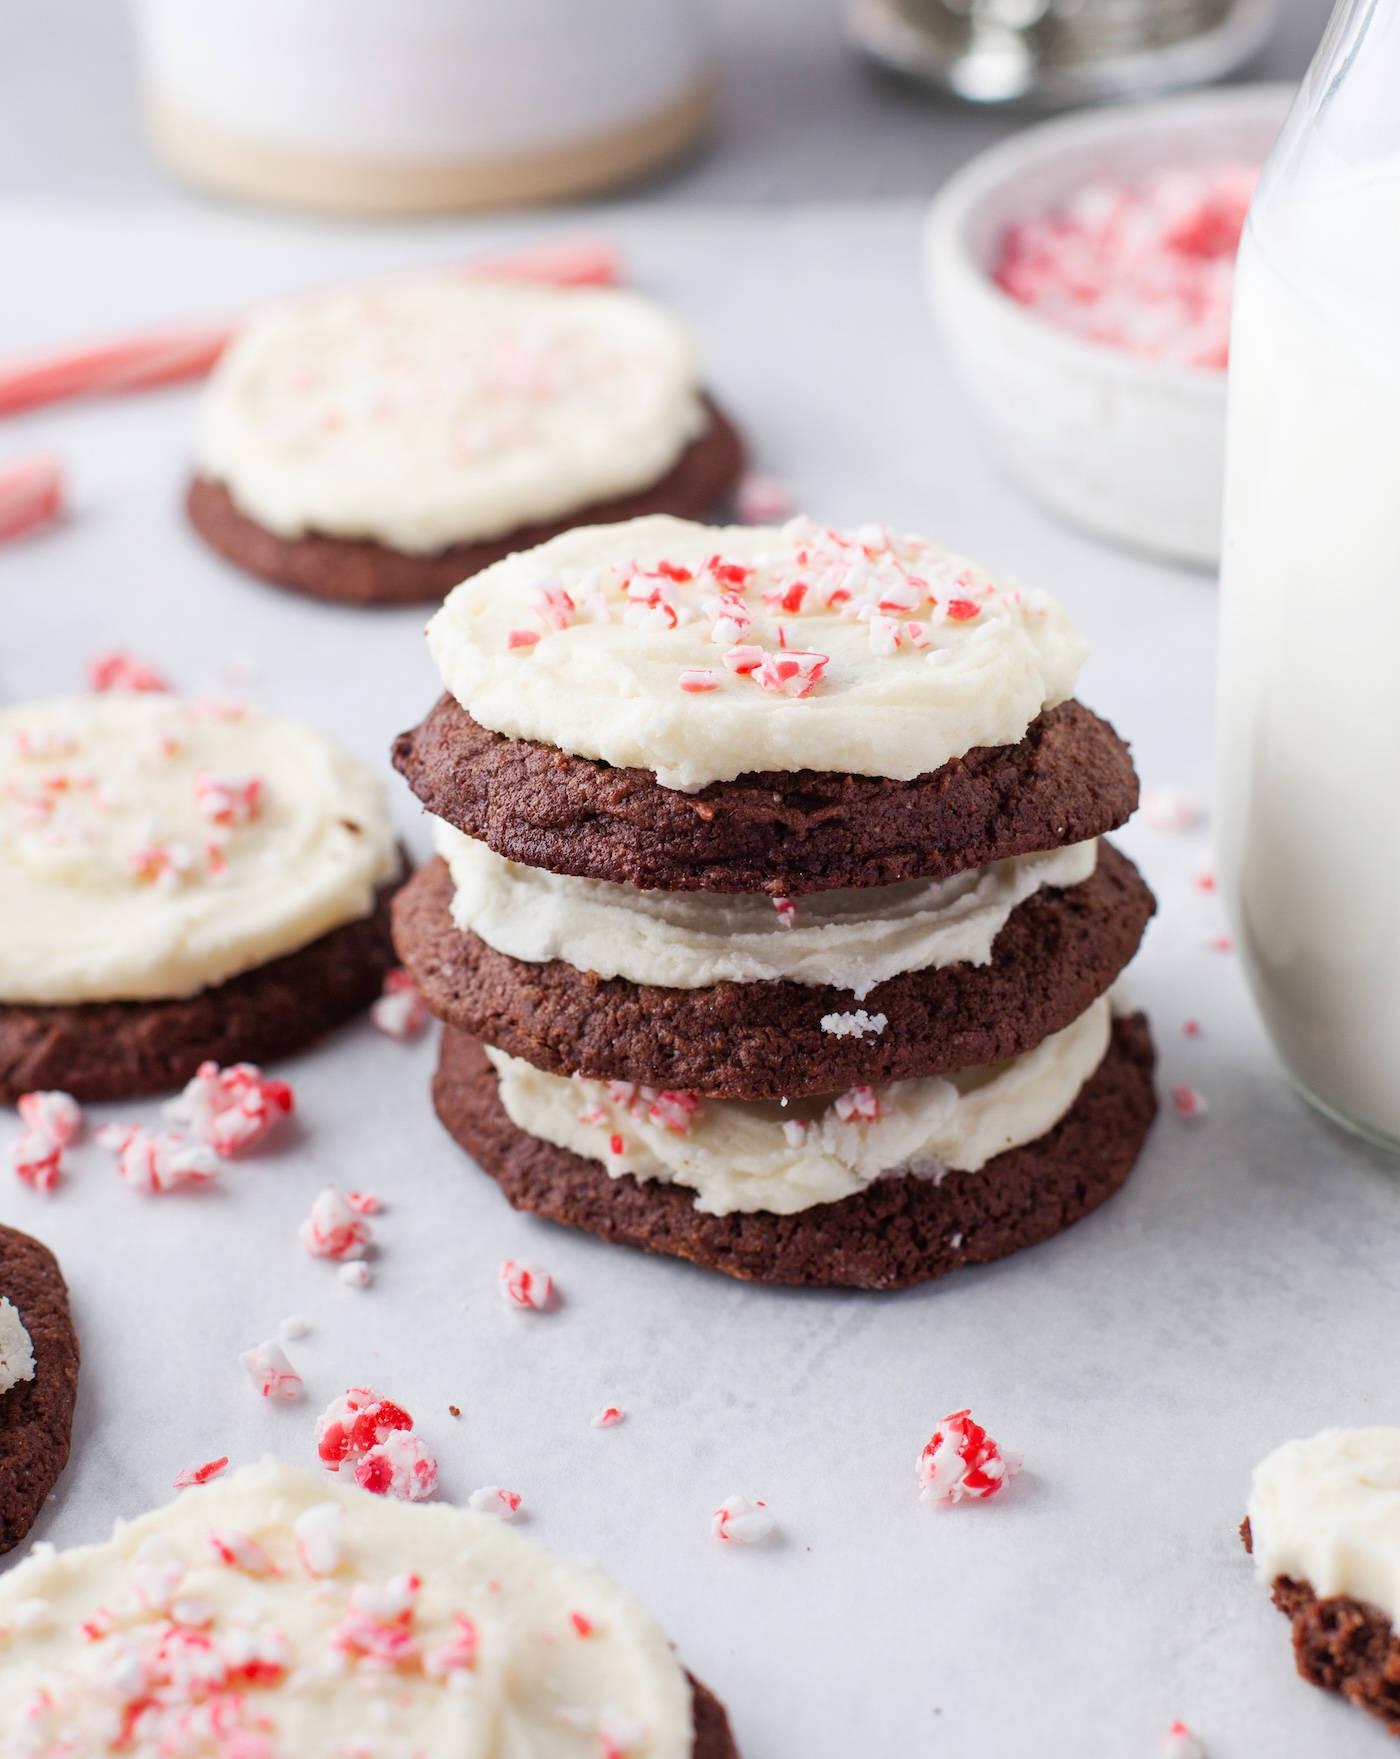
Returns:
<point x="853" y="938"/>
<point x="744" y="1155"/>
<point x="426" y="1630"/>
<point x="1327" y="1511"/>
<point x="439" y="409"/>
<point x="702" y="653"/>
<point x="151" y="846"/>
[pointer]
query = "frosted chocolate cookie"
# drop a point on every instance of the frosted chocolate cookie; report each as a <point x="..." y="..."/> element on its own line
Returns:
<point x="378" y="446"/>
<point x="292" y="1615"/>
<point x="861" y="987"/>
<point x="179" y="880"/>
<point x="797" y="1195"/>
<point x="1324" y="1529"/>
<point x="38" y="1381"/>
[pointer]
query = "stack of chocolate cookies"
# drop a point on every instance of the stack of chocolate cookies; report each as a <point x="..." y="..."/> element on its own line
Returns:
<point x="770" y="924"/>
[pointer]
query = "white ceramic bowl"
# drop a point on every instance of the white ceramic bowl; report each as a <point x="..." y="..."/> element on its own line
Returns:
<point x="1130" y="449"/>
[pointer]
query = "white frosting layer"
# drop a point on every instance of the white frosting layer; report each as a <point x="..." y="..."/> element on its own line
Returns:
<point x="865" y="653"/>
<point x="152" y="847"/>
<point x="440" y="409"/>
<point x="278" y="1652"/>
<point x="743" y="1155"/>
<point x="853" y="938"/>
<point x="1327" y="1511"/>
<point x="16" y="1347"/>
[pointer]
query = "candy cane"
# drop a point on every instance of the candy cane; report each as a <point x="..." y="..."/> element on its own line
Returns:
<point x="171" y="356"/>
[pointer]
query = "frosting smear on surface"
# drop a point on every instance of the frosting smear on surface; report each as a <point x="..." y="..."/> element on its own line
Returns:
<point x="702" y="653"/>
<point x="746" y="1155"/>
<point x="1327" y="1511"/>
<point x="152" y="846"/>
<point x="275" y="1615"/>
<point x="439" y="410"/>
<point x="853" y="938"/>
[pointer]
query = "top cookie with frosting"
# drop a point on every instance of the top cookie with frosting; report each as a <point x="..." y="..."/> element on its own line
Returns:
<point x="151" y="847"/>
<point x="703" y="653"/>
<point x="441" y="410"/>
<point x="275" y="1614"/>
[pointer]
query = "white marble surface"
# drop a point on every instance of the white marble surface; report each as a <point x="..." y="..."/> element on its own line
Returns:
<point x="1239" y="1290"/>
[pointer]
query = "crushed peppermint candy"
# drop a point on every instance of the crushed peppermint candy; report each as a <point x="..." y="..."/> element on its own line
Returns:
<point x="1170" y="809"/>
<point x="492" y="1500"/>
<point x="526" y="1286"/>
<point x="619" y="1737"/>
<point x="399" y="1012"/>
<point x="334" y="1228"/>
<point x="231" y="1110"/>
<point x="157" y="1163"/>
<point x="238" y="1551"/>
<point x="114" y="670"/>
<point x="52" y="1122"/>
<point x="1180" y="1743"/>
<point x="1187" y="1103"/>
<point x="203" y="1473"/>
<point x="855" y="1025"/>
<point x="228" y="800"/>
<point x="372" y="1439"/>
<point x="271" y="1372"/>
<point x="294" y="1326"/>
<point x="356" y="1275"/>
<point x="859" y="1105"/>
<point x="31" y="495"/>
<point x="697" y="679"/>
<point x="1191" y="1028"/>
<point x="319" y="1533"/>
<point x="401" y="1466"/>
<point x="961" y="1460"/>
<point x="761" y="500"/>
<point x="737" y="1521"/>
<point x="609" y="1418"/>
<point x="1147" y="268"/>
<point x="786" y="911"/>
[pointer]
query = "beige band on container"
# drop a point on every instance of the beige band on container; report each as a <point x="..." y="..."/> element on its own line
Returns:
<point x="230" y="164"/>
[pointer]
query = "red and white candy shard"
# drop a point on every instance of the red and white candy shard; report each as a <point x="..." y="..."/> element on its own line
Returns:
<point x="334" y="1228"/>
<point x="228" y="800"/>
<point x="31" y="495"/>
<point x="238" y="1551"/>
<point x="619" y="1737"/>
<point x="202" y="1473"/>
<point x="762" y="500"/>
<point x="271" y="1372"/>
<point x="399" y="1012"/>
<point x="492" y="1500"/>
<point x="526" y="1285"/>
<point x="1180" y="1743"/>
<point x="354" y="1423"/>
<point x="232" y="1109"/>
<point x="861" y="1104"/>
<point x="737" y="1521"/>
<point x="457" y="1655"/>
<point x="1187" y="1103"/>
<point x="157" y="1163"/>
<point x="320" y="1538"/>
<point x="121" y="671"/>
<point x="58" y="1114"/>
<point x="402" y="1466"/>
<point x="961" y="1460"/>
<point x="608" y="1419"/>
<point x="378" y="1622"/>
<point x="38" y="1160"/>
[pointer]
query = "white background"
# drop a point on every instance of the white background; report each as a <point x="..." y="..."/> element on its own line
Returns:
<point x="1242" y="1289"/>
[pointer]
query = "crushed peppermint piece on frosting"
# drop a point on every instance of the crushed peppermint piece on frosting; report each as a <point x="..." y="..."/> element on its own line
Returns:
<point x="737" y="1521"/>
<point x="204" y="1472"/>
<point x="786" y="911"/>
<point x="854" y="1025"/>
<point x="860" y="1105"/>
<point x="232" y="1109"/>
<point x="320" y="1538"/>
<point x="961" y="1460"/>
<point x="160" y="1162"/>
<point x="16" y="1347"/>
<point x="271" y="1372"/>
<point x="399" y="1011"/>
<point x="492" y="1500"/>
<point x="334" y="1228"/>
<point x="114" y="670"/>
<point x="238" y="1551"/>
<point x="1188" y="1103"/>
<point x="526" y="1286"/>
<point x="228" y="800"/>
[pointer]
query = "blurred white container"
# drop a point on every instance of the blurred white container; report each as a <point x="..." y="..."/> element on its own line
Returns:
<point x="1130" y="449"/>
<point x="419" y="106"/>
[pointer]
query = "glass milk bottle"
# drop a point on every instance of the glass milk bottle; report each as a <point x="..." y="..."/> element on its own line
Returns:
<point x="1309" y="721"/>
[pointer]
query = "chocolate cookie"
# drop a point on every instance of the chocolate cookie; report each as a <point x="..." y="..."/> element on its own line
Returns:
<point x="896" y="1232"/>
<point x="1069" y="779"/>
<point x="119" y="1050"/>
<point x="1346" y="1646"/>
<point x="713" y="1739"/>
<point x="36" y="1416"/>
<point x="359" y="571"/>
<point x="1058" y="951"/>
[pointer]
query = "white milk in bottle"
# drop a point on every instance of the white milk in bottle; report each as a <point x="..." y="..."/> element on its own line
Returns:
<point x="1309" y="723"/>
